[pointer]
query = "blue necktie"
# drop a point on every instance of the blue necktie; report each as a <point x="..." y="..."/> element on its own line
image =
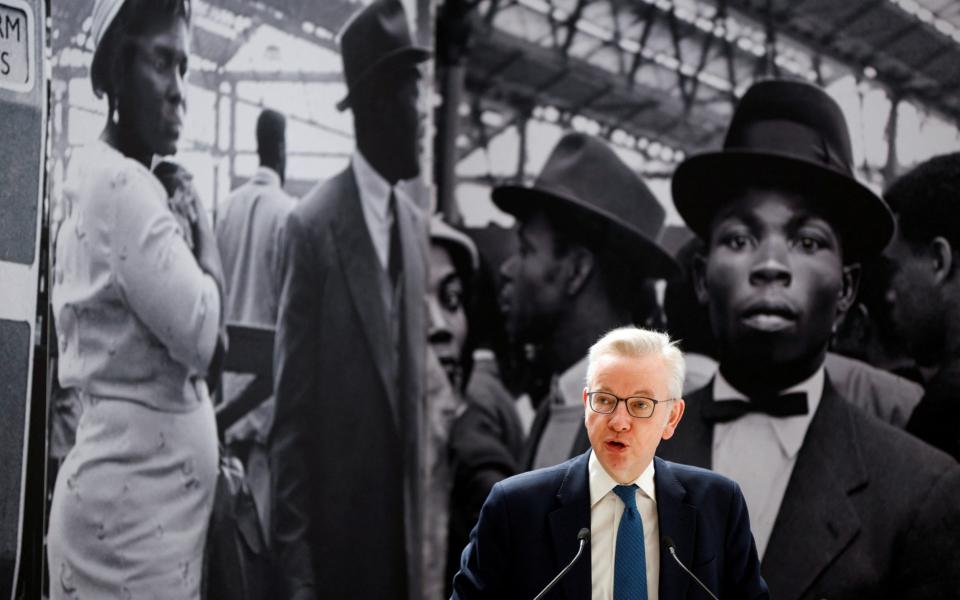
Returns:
<point x="630" y="568"/>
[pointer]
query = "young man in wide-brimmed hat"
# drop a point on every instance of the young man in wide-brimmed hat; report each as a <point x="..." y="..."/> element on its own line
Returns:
<point x="841" y="504"/>
<point x="346" y="444"/>
<point x="588" y="229"/>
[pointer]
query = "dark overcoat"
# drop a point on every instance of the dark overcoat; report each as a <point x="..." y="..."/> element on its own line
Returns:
<point x="346" y="445"/>
<point x="869" y="511"/>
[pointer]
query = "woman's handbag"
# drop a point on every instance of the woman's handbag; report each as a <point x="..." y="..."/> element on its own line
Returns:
<point x="236" y="562"/>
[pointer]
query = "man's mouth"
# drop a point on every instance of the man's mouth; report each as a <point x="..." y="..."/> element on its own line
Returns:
<point x="449" y="363"/>
<point x="615" y="446"/>
<point x="504" y="299"/>
<point x="173" y="128"/>
<point x="769" y="317"/>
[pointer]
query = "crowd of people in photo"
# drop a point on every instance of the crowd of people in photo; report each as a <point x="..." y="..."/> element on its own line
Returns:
<point x="410" y="365"/>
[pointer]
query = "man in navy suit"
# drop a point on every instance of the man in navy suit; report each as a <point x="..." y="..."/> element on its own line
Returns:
<point x="628" y="499"/>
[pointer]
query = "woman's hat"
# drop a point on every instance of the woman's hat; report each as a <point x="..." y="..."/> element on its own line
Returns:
<point x="375" y="40"/>
<point x="790" y="132"/>
<point x="462" y="249"/>
<point x="104" y="13"/>
<point x="585" y="176"/>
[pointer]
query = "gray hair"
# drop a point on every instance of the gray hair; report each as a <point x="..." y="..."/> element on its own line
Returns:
<point x="634" y="342"/>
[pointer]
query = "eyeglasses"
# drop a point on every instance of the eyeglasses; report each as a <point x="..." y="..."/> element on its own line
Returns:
<point x="637" y="406"/>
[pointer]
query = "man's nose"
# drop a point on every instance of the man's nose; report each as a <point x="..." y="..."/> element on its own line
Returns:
<point x="175" y="90"/>
<point x="438" y="330"/>
<point x="772" y="264"/>
<point x="620" y="419"/>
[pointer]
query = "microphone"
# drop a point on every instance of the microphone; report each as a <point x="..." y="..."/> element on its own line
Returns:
<point x="672" y="549"/>
<point x="583" y="536"/>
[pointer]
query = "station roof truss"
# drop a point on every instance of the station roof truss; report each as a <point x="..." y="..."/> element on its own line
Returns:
<point x="671" y="70"/>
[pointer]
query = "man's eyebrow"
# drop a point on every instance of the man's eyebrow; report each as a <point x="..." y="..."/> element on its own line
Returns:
<point x="803" y="217"/>
<point x="638" y="392"/>
<point x="168" y="51"/>
<point x="736" y="214"/>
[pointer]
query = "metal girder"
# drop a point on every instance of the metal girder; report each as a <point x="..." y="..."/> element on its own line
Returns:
<point x="905" y="77"/>
<point x="649" y="17"/>
<point x="572" y="24"/>
<point x="690" y="65"/>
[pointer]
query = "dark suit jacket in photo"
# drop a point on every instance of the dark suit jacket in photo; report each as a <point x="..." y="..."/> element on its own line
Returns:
<point x="528" y="532"/>
<point x="869" y="511"/>
<point x="345" y="446"/>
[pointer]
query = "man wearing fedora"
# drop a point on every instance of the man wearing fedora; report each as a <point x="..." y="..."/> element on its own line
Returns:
<point x="346" y="445"/>
<point x="842" y="505"/>
<point x="588" y="231"/>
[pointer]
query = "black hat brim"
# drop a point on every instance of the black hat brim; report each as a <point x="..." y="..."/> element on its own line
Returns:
<point x="702" y="186"/>
<point x="408" y="55"/>
<point x="651" y="259"/>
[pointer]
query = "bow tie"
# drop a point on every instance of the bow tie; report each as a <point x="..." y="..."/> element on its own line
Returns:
<point x="786" y="405"/>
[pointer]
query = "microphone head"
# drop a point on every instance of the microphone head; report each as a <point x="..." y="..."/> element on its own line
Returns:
<point x="668" y="542"/>
<point x="583" y="535"/>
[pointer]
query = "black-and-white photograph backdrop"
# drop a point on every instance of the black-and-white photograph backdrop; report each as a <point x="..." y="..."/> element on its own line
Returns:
<point x="240" y="194"/>
<point x="584" y="140"/>
<point x="312" y="278"/>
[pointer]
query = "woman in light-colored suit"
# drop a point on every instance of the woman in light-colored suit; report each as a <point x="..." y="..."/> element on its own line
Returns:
<point x="137" y="302"/>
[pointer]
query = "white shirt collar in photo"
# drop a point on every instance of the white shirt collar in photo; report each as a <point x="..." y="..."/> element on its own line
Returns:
<point x="790" y="431"/>
<point x="759" y="451"/>
<point x="572" y="381"/>
<point x="266" y="176"/>
<point x="375" y="200"/>
<point x="565" y="416"/>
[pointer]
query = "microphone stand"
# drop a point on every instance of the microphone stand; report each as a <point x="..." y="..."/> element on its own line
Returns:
<point x="672" y="549"/>
<point x="583" y="536"/>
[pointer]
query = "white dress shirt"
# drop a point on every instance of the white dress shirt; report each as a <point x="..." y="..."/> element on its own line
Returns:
<point x="759" y="451"/>
<point x="375" y="200"/>
<point x="606" y="509"/>
<point x="565" y="406"/>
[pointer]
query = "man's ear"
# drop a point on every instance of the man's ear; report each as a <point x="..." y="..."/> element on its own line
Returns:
<point x="850" y="283"/>
<point x="581" y="264"/>
<point x="676" y="413"/>
<point x="699" y="276"/>
<point x="942" y="254"/>
<point x="855" y="326"/>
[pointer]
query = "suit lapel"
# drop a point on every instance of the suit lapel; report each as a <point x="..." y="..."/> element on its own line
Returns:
<point x="678" y="520"/>
<point x="413" y="236"/>
<point x="566" y="521"/>
<point x="816" y="520"/>
<point x="413" y="334"/>
<point x="360" y="265"/>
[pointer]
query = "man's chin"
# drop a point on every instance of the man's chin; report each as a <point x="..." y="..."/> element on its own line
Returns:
<point x="166" y="148"/>
<point x="617" y="467"/>
<point x="765" y="348"/>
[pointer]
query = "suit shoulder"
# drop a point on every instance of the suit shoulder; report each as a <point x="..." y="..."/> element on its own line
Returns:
<point x="321" y="203"/>
<point x="894" y="453"/>
<point x="537" y="482"/>
<point x="698" y="479"/>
